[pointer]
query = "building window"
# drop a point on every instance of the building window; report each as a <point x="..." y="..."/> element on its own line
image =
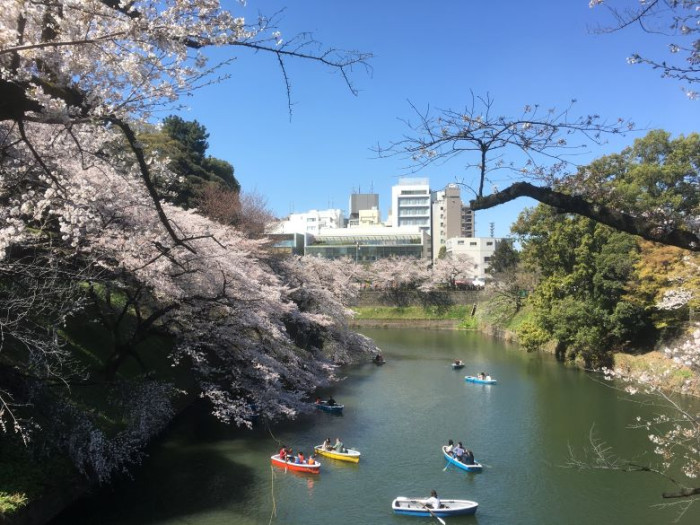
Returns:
<point x="489" y="243"/>
<point x="472" y="243"/>
<point x="460" y="242"/>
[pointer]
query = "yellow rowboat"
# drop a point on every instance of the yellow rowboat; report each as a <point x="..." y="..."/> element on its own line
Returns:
<point x="349" y="454"/>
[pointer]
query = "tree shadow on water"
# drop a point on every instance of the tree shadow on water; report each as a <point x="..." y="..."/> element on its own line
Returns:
<point x="174" y="482"/>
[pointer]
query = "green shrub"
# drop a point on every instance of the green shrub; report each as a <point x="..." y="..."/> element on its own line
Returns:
<point x="11" y="503"/>
<point x="531" y="337"/>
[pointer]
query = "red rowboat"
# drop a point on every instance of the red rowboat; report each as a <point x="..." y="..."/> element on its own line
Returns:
<point x="311" y="468"/>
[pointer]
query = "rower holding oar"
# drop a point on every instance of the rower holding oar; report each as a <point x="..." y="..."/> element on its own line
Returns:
<point x="433" y="502"/>
<point x="433" y="506"/>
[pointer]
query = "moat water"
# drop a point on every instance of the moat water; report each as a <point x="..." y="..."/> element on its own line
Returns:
<point x="523" y="430"/>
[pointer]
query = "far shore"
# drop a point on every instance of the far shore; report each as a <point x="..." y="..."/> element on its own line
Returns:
<point x="437" y="324"/>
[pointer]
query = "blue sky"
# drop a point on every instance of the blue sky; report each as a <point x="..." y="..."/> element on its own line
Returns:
<point x="431" y="54"/>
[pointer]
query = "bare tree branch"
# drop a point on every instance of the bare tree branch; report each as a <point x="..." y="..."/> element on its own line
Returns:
<point x="597" y="212"/>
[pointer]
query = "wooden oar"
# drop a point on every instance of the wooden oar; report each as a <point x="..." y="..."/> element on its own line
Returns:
<point x="442" y="522"/>
<point x="448" y="461"/>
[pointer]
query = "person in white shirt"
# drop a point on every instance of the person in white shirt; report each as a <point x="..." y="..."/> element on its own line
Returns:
<point x="433" y="502"/>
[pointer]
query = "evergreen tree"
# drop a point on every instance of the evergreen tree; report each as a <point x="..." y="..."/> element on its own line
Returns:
<point x="185" y="144"/>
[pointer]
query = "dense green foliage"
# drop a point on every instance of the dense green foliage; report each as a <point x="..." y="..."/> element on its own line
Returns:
<point x="601" y="290"/>
<point x="657" y="178"/>
<point x="185" y="144"/>
<point x="585" y="268"/>
<point x="505" y="258"/>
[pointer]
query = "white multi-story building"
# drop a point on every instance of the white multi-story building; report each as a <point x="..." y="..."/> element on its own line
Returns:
<point x="311" y="222"/>
<point x="479" y="249"/>
<point x="410" y="203"/>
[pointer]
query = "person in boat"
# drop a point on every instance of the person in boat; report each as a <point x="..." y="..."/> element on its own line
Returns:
<point x="311" y="460"/>
<point x="468" y="457"/>
<point x="338" y="447"/>
<point x="290" y="455"/>
<point x="481" y="375"/>
<point x="433" y="502"/>
<point x="327" y="444"/>
<point x="330" y="402"/>
<point x="488" y="377"/>
<point x="458" y="362"/>
<point x="378" y="358"/>
<point x="450" y="446"/>
<point x="318" y="401"/>
<point x="300" y="457"/>
<point x="283" y="453"/>
<point x="458" y="451"/>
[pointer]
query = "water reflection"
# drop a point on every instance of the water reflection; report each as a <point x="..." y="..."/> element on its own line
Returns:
<point x="398" y="415"/>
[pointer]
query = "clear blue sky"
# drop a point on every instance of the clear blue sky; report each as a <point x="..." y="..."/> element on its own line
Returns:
<point x="429" y="53"/>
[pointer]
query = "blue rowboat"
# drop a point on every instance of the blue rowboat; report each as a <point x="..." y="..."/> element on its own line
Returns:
<point x="448" y="507"/>
<point x="335" y="409"/>
<point x="474" y="379"/>
<point x="475" y="467"/>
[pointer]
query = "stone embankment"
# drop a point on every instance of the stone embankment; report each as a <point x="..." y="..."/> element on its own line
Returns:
<point x="399" y="298"/>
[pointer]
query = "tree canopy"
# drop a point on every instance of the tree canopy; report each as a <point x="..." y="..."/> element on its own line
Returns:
<point x="86" y="236"/>
<point x="585" y="268"/>
<point x="60" y="68"/>
<point x="184" y="144"/>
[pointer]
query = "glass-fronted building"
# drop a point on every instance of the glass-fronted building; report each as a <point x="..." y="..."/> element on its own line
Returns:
<point x="369" y="244"/>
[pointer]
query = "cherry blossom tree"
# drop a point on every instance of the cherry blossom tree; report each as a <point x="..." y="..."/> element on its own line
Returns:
<point x="104" y="63"/>
<point x="39" y="293"/>
<point x="76" y="80"/>
<point x="447" y="272"/>
<point x="399" y="272"/>
<point x="235" y="313"/>
<point x="321" y="289"/>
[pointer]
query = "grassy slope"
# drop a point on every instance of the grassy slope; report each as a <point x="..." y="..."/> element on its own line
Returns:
<point x="460" y="313"/>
